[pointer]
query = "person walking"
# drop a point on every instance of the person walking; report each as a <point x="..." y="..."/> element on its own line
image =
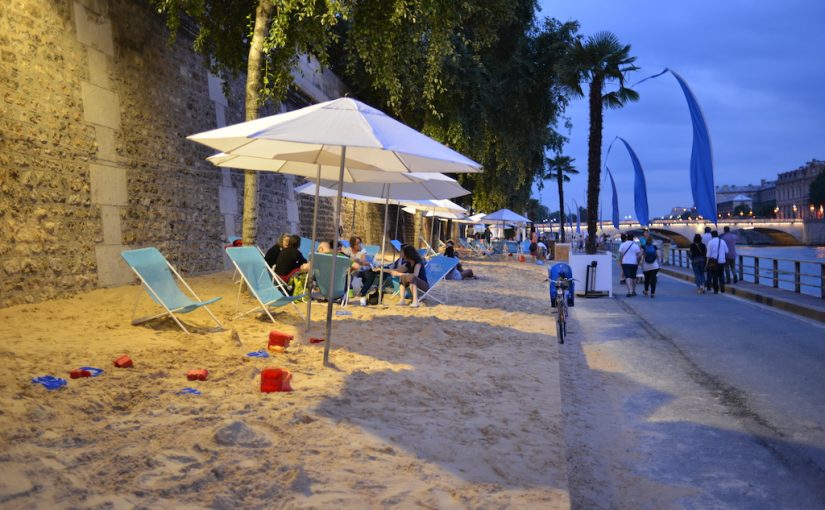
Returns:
<point x="698" y="258"/>
<point x="650" y="267"/>
<point x="730" y="259"/>
<point x="629" y="255"/>
<point x="717" y="252"/>
<point x="706" y="237"/>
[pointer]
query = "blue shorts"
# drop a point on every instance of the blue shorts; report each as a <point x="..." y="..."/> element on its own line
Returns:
<point x="629" y="270"/>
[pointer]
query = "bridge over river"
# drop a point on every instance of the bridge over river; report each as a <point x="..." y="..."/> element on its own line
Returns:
<point x="784" y="232"/>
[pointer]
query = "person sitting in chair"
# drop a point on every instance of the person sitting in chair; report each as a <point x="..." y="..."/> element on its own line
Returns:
<point x="290" y="261"/>
<point x="449" y="251"/>
<point x="415" y="279"/>
<point x="272" y="254"/>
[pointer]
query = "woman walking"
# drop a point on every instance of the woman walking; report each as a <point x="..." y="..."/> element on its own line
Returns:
<point x="698" y="258"/>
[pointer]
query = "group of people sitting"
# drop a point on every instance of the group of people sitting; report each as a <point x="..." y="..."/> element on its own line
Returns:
<point x="291" y="266"/>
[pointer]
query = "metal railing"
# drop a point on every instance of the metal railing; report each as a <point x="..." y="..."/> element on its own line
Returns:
<point x="779" y="273"/>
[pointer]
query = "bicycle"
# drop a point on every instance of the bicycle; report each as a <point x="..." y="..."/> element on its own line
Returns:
<point x="561" y="307"/>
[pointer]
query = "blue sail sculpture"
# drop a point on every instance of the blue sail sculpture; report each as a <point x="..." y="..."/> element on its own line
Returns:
<point x="639" y="187"/>
<point x="615" y="200"/>
<point x="578" y="219"/>
<point x="701" y="154"/>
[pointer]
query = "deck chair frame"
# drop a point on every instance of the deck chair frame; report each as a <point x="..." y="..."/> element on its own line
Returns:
<point x="199" y="303"/>
<point x="274" y="280"/>
<point x="446" y="264"/>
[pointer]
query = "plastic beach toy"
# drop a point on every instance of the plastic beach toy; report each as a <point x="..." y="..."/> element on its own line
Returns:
<point x="343" y="312"/>
<point x="275" y="379"/>
<point x="50" y="382"/>
<point x="94" y="372"/>
<point x="316" y="340"/>
<point x="258" y="354"/>
<point x="189" y="391"/>
<point x="124" y="362"/>
<point x="278" y="339"/>
<point x="197" y="375"/>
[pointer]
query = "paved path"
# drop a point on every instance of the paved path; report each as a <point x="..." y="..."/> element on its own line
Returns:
<point x="687" y="401"/>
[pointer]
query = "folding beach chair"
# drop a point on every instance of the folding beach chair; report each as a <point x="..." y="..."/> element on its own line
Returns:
<point x="321" y="272"/>
<point x="525" y="247"/>
<point x="512" y="247"/>
<point x="498" y="247"/>
<point x="430" y="250"/>
<point x="477" y="247"/>
<point x="307" y="247"/>
<point x="259" y="278"/>
<point x="438" y="268"/>
<point x="396" y="244"/>
<point x="155" y="273"/>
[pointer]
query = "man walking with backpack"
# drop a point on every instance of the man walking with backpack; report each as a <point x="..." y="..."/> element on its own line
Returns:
<point x="730" y="258"/>
<point x="650" y="267"/>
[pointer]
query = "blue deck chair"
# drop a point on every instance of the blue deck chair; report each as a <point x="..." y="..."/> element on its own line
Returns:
<point x="156" y="275"/>
<point x="321" y="274"/>
<point x="372" y="249"/>
<point x="423" y="252"/>
<point x="429" y="251"/>
<point x="307" y="247"/>
<point x="498" y="247"/>
<point x="479" y="248"/>
<point x="438" y="268"/>
<point x="525" y="247"/>
<point x="396" y="244"/>
<point x="259" y="278"/>
<point x="512" y="247"/>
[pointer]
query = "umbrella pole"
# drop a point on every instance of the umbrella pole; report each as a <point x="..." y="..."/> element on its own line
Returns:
<point x="334" y="256"/>
<point x="383" y="247"/>
<point x="397" y="216"/>
<point x="432" y="231"/>
<point x="312" y="252"/>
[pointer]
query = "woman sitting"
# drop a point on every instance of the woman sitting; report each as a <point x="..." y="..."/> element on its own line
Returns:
<point x="415" y="279"/>
<point x="290" y="261"/>
<point x="449" y="251"/>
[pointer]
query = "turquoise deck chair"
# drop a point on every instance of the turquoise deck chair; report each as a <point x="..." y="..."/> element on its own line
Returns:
<point x="438" y="268"/>
<point x="525" y="247"/>
<point x="396" y="244"/>
<point x="156" y="275"/>
<point x="259" y="278"/>
<point x="498" y="247"/>
<point x="321" y="272"/>
<point x="307" y="247"/>
<point x="512" y="247"/>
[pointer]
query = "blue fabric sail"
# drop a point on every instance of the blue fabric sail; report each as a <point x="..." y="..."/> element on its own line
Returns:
<point x="639" y="187"/>
<point x="615" y="200"/>
<point x="701" y="158"/>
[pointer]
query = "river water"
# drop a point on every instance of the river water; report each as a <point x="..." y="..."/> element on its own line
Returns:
<point x="811" y="258"/>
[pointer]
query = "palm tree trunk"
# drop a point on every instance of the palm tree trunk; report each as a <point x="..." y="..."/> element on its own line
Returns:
<point x="560" y="178"/>
<point x="253" y="88"/>
<point x="594" y="160"/>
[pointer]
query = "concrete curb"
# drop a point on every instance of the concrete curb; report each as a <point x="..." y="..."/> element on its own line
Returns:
<point x="753" y="293"/>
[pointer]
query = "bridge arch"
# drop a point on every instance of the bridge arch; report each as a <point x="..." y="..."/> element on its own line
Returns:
<point x="675" y="237"/>
<point x="779" y="237"/>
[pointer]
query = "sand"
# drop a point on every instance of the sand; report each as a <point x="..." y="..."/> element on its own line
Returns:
<point x="446" y="406"/>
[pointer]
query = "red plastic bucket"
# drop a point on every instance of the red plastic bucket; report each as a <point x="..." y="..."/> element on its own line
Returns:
<point x="278" y="339"/>
<point x="275" y="379"/>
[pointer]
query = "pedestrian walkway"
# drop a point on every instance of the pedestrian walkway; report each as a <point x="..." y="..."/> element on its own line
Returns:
<point x="800" y="304"/>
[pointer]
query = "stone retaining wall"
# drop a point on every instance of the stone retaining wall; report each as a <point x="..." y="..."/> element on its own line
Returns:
<point x="93" y="156"/>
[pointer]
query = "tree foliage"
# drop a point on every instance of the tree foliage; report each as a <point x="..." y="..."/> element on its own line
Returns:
<point x="481" y="77"/>
<point x="817" y="190"/>
<point x="559" y="169"/>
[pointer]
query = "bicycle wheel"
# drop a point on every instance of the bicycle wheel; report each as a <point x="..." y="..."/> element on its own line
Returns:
<point x="561" y="322"/>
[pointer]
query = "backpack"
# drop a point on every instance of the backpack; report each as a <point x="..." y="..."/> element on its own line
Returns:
<point x="650" y="253"/>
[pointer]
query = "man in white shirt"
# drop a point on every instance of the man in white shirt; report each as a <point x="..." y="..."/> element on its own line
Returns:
<point x="629" y="254"/>
<point x="706" y="237"/>
<point x="717" y="253"/>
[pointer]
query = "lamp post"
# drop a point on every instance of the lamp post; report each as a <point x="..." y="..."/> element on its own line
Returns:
<point x="794" y="211"/>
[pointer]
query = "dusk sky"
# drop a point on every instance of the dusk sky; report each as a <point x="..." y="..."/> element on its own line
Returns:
<point x="757" y="68"/>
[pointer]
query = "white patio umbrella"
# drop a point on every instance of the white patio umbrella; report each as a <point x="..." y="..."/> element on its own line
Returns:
<point x="429" y="186"/>
<point x="345" y="132"/>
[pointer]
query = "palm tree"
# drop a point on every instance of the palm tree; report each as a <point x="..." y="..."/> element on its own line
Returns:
<point x="560" y="168"/>
<point x="598" y="60"/>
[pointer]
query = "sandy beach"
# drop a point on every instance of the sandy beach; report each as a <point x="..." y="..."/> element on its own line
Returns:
<point x="444" y="406"/>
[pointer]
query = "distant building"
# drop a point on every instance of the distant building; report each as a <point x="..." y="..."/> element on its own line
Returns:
<point x="762" y="197"/>
<point x="793" y="188"/>
<point x="728" y="207"/>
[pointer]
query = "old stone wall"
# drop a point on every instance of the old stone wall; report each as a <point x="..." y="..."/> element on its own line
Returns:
<point x="93" y="156"/>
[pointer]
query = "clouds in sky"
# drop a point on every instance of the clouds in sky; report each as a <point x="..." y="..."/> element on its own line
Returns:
<point x="756" y="67"/>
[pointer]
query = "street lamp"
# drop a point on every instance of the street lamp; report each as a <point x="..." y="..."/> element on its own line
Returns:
<point x="794" y="211"/>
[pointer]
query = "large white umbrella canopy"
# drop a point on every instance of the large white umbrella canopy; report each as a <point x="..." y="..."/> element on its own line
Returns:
<point x="345" y="132"/>
<point x="503" y="215"/>
<point x="317" y="134"/>
<point x="423" y="186"/>
<point x="444" y="205"/>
